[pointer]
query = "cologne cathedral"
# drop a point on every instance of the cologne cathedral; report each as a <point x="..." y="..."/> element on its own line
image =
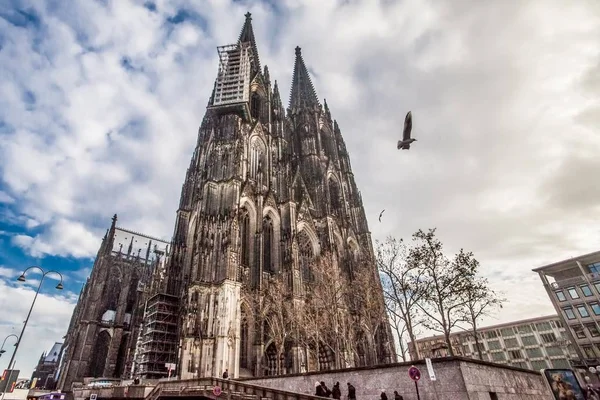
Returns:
<point x="268" y="195"/>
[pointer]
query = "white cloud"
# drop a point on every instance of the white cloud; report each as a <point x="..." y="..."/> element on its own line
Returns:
<point x="63" y="238"/>
<point x="6" y="198"/>
<point x="504" y="98"/>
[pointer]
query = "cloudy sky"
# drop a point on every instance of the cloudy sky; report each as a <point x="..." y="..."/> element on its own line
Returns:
<point x="100" y="102"/>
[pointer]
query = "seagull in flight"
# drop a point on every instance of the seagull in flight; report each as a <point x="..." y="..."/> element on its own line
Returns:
<point x="404" y="144"/>
<point x="380" y="214"/>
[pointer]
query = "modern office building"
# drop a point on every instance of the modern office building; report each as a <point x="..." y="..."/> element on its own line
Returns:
<point x="573" y="286"/>
<point x="531" y="343"/>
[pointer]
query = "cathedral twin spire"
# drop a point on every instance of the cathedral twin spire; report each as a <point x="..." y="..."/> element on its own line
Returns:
<point x="303" y="94"/>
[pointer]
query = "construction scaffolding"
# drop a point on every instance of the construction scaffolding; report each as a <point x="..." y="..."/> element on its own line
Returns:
<point x="232" y="87"/>
<point x="160" y="337"/>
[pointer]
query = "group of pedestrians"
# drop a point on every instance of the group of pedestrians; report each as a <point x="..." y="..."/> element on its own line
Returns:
<point x="322" y="390"/>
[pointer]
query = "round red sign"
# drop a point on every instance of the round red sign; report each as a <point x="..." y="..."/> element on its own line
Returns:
<point x="217" y="390"/>
<point x="414" y="373"/>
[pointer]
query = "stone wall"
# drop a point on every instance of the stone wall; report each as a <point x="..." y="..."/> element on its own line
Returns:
<point x="458" y="378"/>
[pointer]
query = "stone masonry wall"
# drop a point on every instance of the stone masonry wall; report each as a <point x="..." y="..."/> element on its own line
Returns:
<point x="457" y="379"/>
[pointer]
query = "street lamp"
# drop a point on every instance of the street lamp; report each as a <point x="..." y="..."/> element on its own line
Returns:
<point x="2" y="351"/>
<point x="22" y="279"/>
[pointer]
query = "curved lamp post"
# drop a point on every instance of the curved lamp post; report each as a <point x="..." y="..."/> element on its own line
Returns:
<point x="2" y="351"/>
<point x="22" y="279"/>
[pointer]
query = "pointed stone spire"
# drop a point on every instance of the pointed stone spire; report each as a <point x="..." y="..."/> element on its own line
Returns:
<point x="107" y="245"/>
<point x="267" y="76"/>
<point x="277" y="105"/>
<point x="303" y="92"/>
<point x="327" y="112"/>
<point x="247" y="35"/>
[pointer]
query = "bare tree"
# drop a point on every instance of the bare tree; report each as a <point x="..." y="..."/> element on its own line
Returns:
<point x="399" y="328"/>
<point x="325" y="302"/>
<point x="280" y="317"/>
<point x="445" y="284"/>
<point x="367" y="305"/>
<point x="401" y="279"/>
<point x="480" y="298"/>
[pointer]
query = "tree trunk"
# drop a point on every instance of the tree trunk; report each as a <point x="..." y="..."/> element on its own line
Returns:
<point x="476" y="336"/>
<point x="449" y="344"/>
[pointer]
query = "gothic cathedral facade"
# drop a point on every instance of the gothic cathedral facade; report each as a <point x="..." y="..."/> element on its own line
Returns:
<point x="268" y="193"/>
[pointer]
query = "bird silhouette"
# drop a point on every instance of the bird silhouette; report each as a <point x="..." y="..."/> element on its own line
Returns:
<point x="404" y="144"/>
<point x="380" y="214"/>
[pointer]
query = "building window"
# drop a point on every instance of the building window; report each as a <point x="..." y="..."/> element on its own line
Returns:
<point x="589" y="351"/>
<point x="511" y="343"/>
<point x="560" y="295"/>
<point x="585" y="289"/>
<point x="499" y="356"/>
<point x="554" y="351"/>
<point x="515" y="354"/>
<point x="245" y="237"/>
<point x="268" y="233"/>
<point x="583" y="311"/>
<point x="593" y="330"/>
<point x="594" y="268"/>
<point x="548" y="337"/>
<point x="537" y="365"/>
<point x="558" y="323"/>
<point x="573" y="293"/>
<point x="561" y="363"/>
<point x="597" y="285"/>
<point x="529" y="340"/>
<point x="491" y="334"/>
<point x="494" y="345"/>
<point x="595" y="308"/>
<point x="525" y="329"/>
<point x="569" y="313"/>
<point x="535" y="352"/>
<point x="543" y="326"/>
<point x="507" y="332"/>
<point x="578" y="332"/>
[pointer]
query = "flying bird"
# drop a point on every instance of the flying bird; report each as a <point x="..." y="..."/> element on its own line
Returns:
<point x="380" y="214"/>
<point x="404" y="144"/>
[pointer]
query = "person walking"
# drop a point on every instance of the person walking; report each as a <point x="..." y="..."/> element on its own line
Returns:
<point x="351" y="392"/>
<point x="336" y="393"/>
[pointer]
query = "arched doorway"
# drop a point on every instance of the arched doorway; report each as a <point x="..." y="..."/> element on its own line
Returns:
<point x="100" y="354"/>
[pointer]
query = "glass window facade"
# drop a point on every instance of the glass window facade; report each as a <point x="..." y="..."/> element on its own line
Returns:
<point x="535" y="352"/>
<point x="585" y="289"/>
<point x="529" y="340"/>
<point x="582" y="309"/>
<point x="594" y="268"/>
<point x="573" y="293"/>
<point x="569" y="313"/>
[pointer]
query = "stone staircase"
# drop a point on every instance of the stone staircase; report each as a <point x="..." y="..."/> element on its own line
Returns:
<point x="220" y="389"/>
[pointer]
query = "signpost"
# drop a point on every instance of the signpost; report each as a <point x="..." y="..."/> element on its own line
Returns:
<point x="430" y="369"/>
<point x="415" y="375"/>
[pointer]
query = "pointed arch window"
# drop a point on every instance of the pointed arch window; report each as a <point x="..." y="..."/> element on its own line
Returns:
<point x="335" y="197"/>
<point x="245" y="237"/>
<point x="257" y="155"/>
<point x="305" y="255"/>
<point x="255" y="106"/>
<point x="268" y="233"/>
